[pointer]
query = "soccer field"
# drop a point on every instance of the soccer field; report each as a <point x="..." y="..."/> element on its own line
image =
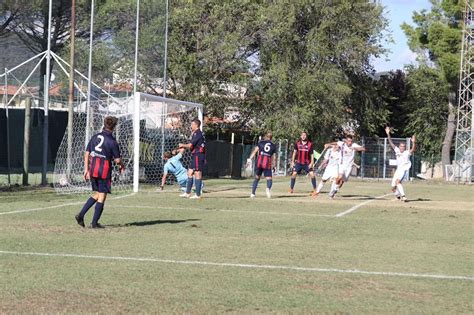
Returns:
<point x="360" y="253"/>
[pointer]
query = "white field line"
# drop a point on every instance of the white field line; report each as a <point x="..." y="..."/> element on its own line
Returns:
<point x="58" y="206"/>
<point x="354" y="208"/>
<point x="248" y="266"/>
<point x="226" y="210"/>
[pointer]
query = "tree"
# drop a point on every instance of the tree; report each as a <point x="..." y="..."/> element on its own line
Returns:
<point x="314" y="65"/>
<point x="10" y="9"/>
<point x="438" y="33"/>
<point x="426" y="103"/>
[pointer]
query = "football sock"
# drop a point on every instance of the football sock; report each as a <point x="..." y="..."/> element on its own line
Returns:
<point x="313" y="182"/>
<point x="400" y="189"/>
<point x="292" y="183"/>
<point x="254" y="185"/>
<point x="320" y="186"/>
<point x="396" y="193"/>
<point x="99" y="207"/>
<point x="269" y="183"/>
<point x="198" y="183"/>
<point x="89" y="203"/>
<point x="333" y="186"/>
<point x="189" y="185"/>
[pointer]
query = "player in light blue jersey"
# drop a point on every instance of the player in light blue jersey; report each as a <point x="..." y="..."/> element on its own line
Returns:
<point x="174" y="166"/>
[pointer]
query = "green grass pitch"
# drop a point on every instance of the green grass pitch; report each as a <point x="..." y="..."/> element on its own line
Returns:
<point x="228" y="253"/>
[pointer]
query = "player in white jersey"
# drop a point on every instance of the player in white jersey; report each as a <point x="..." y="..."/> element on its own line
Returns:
<point x="347" y="154"/>
<point x="403" y="165"/>
<point x="331" y="163"/>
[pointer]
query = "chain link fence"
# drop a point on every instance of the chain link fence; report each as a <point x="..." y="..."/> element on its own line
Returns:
<point x="379" y="160"/>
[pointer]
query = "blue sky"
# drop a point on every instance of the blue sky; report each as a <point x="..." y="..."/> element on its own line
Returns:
<point x="399" y="11"/>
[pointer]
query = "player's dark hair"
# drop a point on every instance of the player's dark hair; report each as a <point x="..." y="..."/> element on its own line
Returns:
<point x="110" y="122"/>
<point x="197" y="122"/>
<point x="349" y="137"/>
<point x="167" y="155"/>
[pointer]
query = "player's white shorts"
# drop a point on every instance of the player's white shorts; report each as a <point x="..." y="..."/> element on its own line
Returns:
<point x="345" y="171"/>
<point x="400" y="174"/>
<point x="330" y="172"/>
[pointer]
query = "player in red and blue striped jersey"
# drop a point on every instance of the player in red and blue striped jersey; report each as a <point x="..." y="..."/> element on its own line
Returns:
<point x="101" y="152"/>
<point x="303" y="154"/>
<point x="198" y="159"/>
<point x="266" y="150"/>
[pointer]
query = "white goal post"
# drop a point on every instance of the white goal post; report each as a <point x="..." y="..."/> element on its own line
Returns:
<point x="175" y="115"/>
<point x="148" y="126"/>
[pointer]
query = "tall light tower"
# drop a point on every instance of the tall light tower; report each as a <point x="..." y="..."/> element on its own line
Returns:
<point x="464" y="150"/>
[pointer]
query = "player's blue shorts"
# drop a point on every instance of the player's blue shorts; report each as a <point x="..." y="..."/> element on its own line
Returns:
<point x="101" y="185"/>
<point x="299" y="167"/>
<point x="182" y="180"/>
<point x="197" y="162"/>
<point x="266" y="172"/>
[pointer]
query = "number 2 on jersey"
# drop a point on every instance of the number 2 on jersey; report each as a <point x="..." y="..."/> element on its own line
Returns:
<point x="99" y="146"/>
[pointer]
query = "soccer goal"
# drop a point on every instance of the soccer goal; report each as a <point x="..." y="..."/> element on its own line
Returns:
<point x="148" y="126"/>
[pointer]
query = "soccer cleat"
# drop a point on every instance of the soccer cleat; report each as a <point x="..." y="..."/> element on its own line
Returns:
<point x="185" y="195"/>
<point x="332" y="193"/>
<point x="80" y="220"/>
<point x="404" y="199"/>
<point x="291" y="190"/>
<point x="96" y="226"/>
<point x="195" y="197"/>
<point x="269" y="193"/>
<point x="314" y="194"/>
<point x="252" y="195"/>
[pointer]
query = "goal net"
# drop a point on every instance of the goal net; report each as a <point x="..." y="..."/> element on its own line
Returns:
<point x="148" y="126"/>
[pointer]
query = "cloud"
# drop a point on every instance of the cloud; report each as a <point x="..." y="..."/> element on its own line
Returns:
<point x="407" y="57"/>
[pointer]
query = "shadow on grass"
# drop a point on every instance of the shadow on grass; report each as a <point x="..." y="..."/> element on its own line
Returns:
<point x="419" y="200"/>
<point x="153" y="222"/>
<point x="359" y="197"/>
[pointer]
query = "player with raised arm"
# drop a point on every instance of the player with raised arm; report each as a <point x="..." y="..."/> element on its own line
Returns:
<point x="174" y="166"/>
<point x="302" y="159"/>
<point x="347" y="154"/>
<point x="266" y="151"/>
<point x="403" y="165"/>
<point x="198" y="160"/>
<point x="331" y="165"/>
<point x="101" y="151"/>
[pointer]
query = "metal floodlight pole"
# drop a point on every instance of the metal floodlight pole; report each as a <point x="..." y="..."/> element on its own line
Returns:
<point x="135" y="74"/>
<point x="5" y="92"/>
<point x="136" y="111"/>
<point x="70" y="105"/>
<point x="89" y="75"/>
<point x="165" y="85"/>
<point x="46" y="98"/>
<point x="464" y="141"/>
<point x="165" y="72"/>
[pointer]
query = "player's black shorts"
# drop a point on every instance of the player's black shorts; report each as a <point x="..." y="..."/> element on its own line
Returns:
<point x="197" y="162"/>
<point x="101" y="185"/>
<point x="299" y="167"/>
<point x="266" y="172"/>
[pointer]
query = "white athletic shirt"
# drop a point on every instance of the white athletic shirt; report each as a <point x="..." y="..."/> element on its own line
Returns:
<point x="403" y="159"/>
<point x="332" y="157"/>
<point x="347" y="153"/>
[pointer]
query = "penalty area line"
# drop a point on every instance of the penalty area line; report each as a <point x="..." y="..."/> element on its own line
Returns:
<point x="354" y="208"/>
<point x="246" y="266"/>
<point x="58" y="206"/>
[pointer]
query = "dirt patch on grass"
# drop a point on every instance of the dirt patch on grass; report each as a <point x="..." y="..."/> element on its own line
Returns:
<point x="62" y="302"/>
